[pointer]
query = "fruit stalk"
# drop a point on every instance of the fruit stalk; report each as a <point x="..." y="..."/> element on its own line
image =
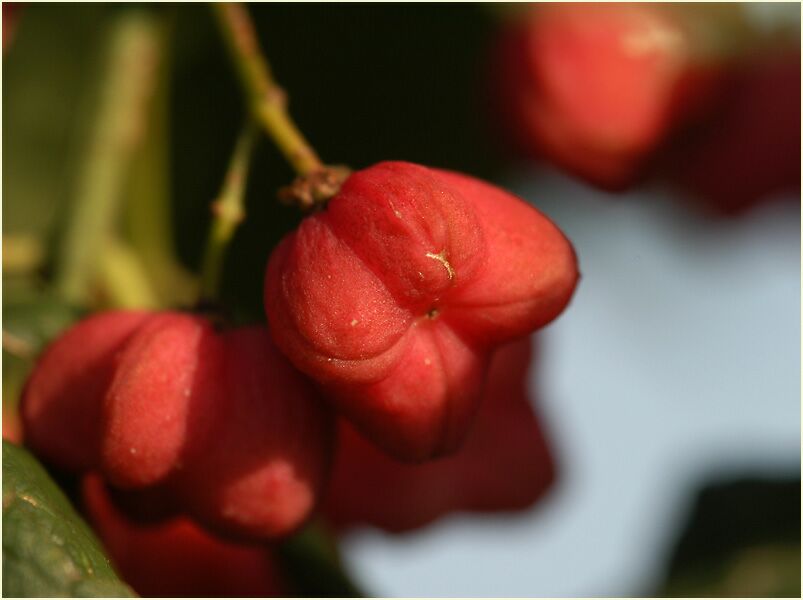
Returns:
<point x="228" y="212"/>
<point x="267" y="101"/>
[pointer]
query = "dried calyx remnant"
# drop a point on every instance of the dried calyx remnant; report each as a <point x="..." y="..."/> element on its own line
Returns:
<point x="312" y="191"/>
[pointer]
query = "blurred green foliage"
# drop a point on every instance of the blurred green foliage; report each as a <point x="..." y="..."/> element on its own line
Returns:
<point x="742" y="538"/>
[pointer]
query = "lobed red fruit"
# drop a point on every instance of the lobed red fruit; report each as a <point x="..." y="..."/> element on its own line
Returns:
<point x="394" y="296"/>
<point x="62" y="403"/>
<point x="750" y="148"/>
<point x="504" y="465"/>
<point x="220" y="425"/>
<point x="177" y="558"/>
<point x="595" y="88"/>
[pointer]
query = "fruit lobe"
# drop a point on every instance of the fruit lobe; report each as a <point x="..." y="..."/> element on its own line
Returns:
<point x="162" y="400"/>
<point x="394" y="295"/>
<point x="176" y="558"/>
<point x="61" y="405"/>
<point x="263" y="474"/>
<point x="505" y="463"/>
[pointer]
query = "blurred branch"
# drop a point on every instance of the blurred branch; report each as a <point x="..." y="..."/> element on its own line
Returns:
<point x="228" y="212"/>
<point x="123" y="277"/>
<point x="127" y="83"/>
<point x="22" y="254"/>
<point x="266" y="100"/>
<point x="148" y="219"/>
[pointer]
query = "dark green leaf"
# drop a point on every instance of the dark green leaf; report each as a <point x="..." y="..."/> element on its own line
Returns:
<point x="48" y="550"/>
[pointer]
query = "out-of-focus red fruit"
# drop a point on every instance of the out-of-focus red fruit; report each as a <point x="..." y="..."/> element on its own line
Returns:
<point x="177" y="558"/>
<point x="162" y="402"/>
<point x="595" y="88"/>
<point x="12" y="427"/>
<point x="263" y="473"/>
<point x="394" y="296"/>
<point x="750" y="148"/>
<point x="504" y="465"/>
<point x="11" y="12"/>
<point x="61" y="404"/>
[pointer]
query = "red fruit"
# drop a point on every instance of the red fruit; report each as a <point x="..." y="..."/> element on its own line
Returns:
<point x="596" y="87"/>
<point x="10" y="18"/>
<point x="62" y="400"/>
<point x="750" y="148"/>
<point x="177" y="558"/>
<point x="504" y="464"/>
<point x="162" y="401"/>
<point x="393" y="297"/>
<point x="264" y="472"/>
<point x="218" y="425"/>
<point x="12" y="428"/>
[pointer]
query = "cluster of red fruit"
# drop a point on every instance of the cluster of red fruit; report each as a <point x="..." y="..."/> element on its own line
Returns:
<point x="614" y="93"/>
<point x="389" y="306"/>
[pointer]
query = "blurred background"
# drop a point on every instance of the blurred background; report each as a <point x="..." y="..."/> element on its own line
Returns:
<point x="670" y="388"/>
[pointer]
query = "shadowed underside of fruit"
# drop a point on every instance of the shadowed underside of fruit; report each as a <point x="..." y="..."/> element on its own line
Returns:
<point x="176" y="557"/>
<point x="505" y="463"/>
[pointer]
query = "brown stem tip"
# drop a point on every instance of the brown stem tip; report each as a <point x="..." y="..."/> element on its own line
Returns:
<point x="312" y="192"/>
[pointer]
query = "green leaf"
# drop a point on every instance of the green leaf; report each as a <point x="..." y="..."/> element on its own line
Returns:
<point x="48" y="550"/>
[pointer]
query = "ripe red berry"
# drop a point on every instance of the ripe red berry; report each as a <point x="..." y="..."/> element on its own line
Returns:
<point x="219" y="425"/>
<point x="262" y="473"/>
<point x="61" y="404"/>
<point x="395" y="294"/>
<point x="595" y="88"/>
<point x="177" y="558"/>
<point x="504" y="465"/>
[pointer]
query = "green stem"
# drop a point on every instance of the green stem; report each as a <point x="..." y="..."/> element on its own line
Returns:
<point x="267" y="101"/>
<point x="127" y="83"/>
<point x="228" y="212"/>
